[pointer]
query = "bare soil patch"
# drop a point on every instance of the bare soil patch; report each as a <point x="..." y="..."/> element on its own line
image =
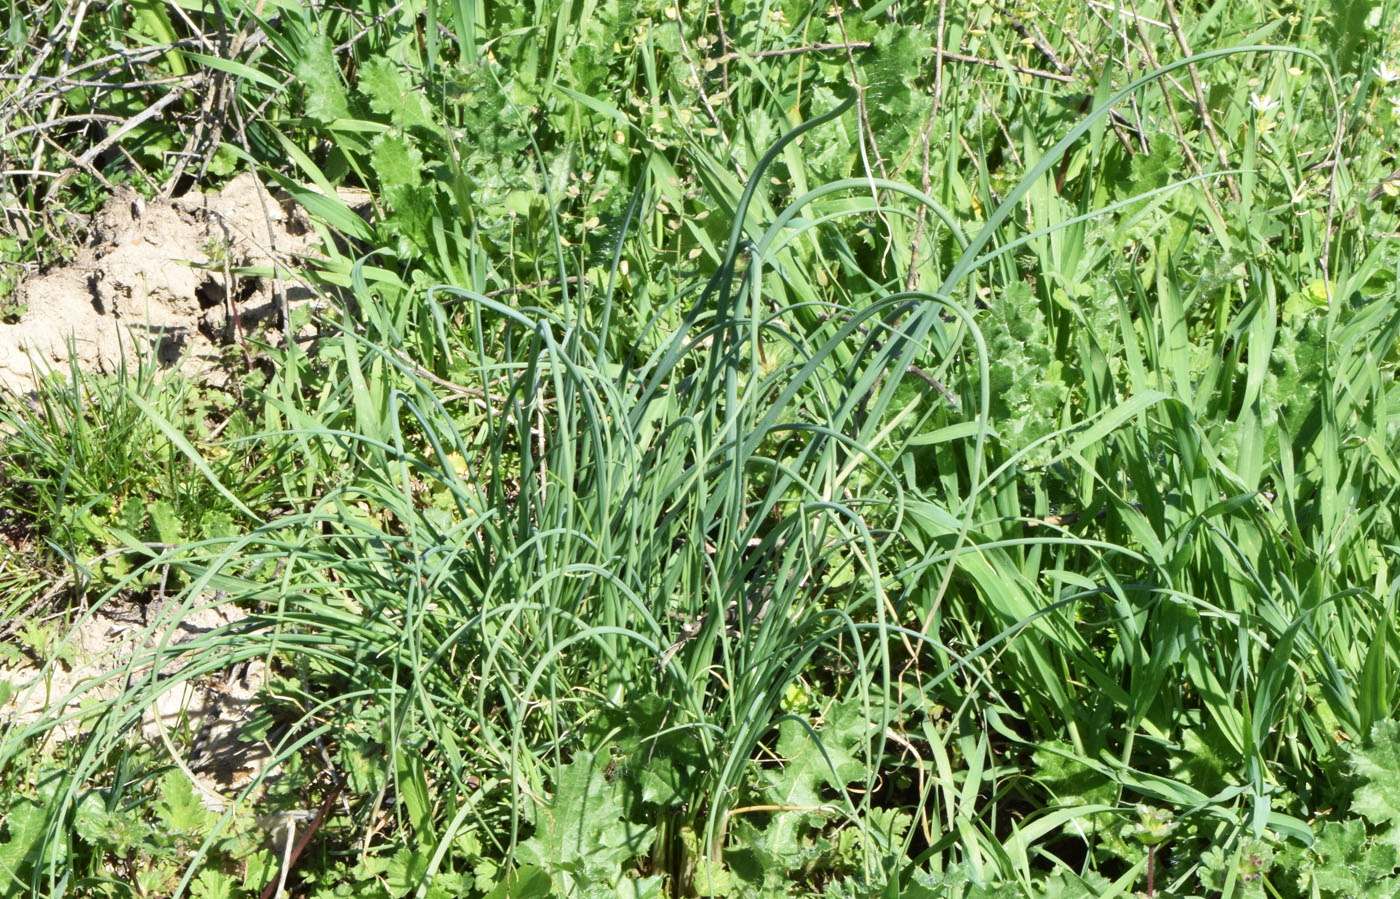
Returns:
<point x="110" y="652"/>
<point x="164" y="280"/>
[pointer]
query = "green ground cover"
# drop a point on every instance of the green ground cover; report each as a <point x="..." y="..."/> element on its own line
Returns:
<point x="753" y="449"/>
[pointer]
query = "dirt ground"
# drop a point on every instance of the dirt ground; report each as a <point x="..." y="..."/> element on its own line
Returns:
<point x="183" y="282"/>
<point x="167" y="280"/>
<point x="107" y="652"/>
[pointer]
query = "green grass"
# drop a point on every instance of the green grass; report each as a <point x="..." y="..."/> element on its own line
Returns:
<point x="742" y="467"/>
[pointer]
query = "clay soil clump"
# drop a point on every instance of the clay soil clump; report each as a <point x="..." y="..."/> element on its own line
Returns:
<point x="176" y="281"/>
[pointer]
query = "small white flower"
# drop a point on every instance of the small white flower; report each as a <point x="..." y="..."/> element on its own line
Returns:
<point x="1263" y="105"/>
<point x="1385" y="73"/>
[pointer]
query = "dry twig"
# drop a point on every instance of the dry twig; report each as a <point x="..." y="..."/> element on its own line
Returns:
<point x="1202" y="106"/>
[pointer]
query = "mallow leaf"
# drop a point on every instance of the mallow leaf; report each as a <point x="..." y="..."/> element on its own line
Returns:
<point x="581" y="837"/>
<point x="1378" y="799"/>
